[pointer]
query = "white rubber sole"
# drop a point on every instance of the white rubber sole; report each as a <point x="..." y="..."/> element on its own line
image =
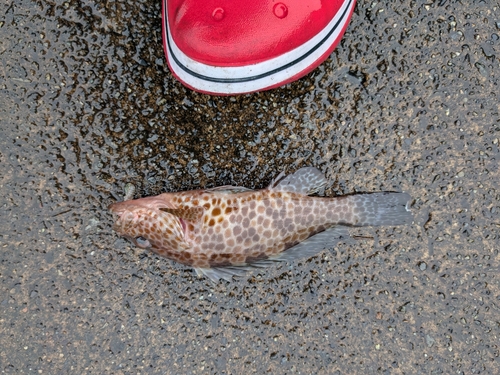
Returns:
<point x="255" y="77"/>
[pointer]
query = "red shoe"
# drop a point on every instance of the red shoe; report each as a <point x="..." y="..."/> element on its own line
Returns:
<point x="229" y="47"/>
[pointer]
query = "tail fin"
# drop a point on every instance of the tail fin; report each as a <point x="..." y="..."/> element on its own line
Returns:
<point x="382" y="209"/>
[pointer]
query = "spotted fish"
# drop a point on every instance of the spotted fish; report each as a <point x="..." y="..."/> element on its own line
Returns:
<point x="228" y="230"/>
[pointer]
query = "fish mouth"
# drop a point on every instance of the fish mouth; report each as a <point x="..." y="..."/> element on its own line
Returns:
<point x="121" y="216"/>
<point x="115" y="215"/>
<point x="114" y="208"/>
<point x="118" y="209"/>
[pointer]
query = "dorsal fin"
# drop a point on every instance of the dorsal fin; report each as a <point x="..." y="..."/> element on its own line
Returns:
<point x="229" y="189"/>
<point x="307" y="181"/>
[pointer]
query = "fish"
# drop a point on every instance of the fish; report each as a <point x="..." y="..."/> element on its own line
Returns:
<point x="227" y="231"/>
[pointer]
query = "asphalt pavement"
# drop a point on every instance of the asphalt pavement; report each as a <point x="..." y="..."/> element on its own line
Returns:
<point x="409" y="101"/>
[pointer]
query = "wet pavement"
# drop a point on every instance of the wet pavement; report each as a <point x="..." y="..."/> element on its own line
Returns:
<point x="409" y="101"/>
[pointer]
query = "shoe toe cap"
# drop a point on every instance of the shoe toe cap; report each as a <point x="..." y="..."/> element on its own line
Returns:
<point x="237" y="33"/>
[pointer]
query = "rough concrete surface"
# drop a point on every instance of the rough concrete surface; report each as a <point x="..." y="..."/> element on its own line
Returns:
<point x="409" y="101"/>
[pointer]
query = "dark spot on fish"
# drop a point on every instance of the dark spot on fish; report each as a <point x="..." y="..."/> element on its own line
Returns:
<point x="216" y="211"/>
<point x="291" y="244"/>
<point x="246" y="222"/>
<point x="255" y="258"/>
<point x="220" y="263"/>
<point x="320" y="228"/>
<point x="203" y="256"/>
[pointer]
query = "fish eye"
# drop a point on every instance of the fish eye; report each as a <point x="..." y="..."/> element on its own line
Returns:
<point x="142" y="242"/>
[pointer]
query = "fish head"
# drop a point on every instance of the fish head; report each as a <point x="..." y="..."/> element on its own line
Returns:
<point x="143" y="223"/>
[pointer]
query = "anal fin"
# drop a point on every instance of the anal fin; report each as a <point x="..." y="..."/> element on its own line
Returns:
<point x="314" y="244"/>
<point x="217" y="273"/>
<point x="306" y="249"/>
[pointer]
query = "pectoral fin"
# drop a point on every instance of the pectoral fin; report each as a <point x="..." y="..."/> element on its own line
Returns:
<point x="190" y="219"/>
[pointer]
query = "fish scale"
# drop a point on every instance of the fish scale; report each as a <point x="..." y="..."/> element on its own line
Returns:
<point x="229" y="230"/>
